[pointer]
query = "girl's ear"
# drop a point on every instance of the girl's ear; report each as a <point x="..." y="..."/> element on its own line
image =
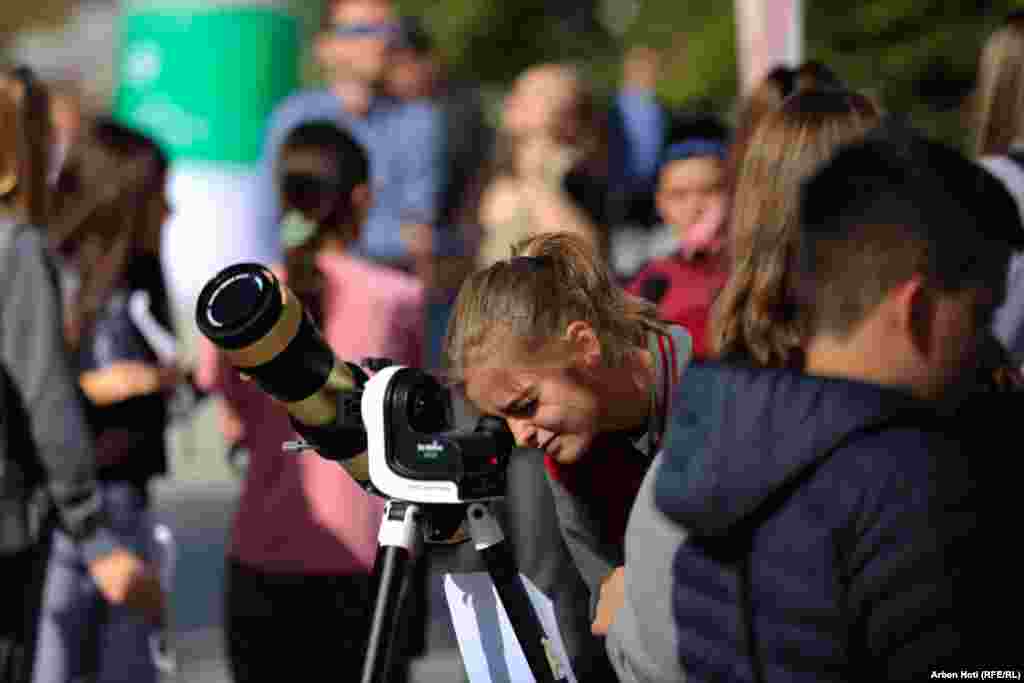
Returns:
<point x="584" y="344"/>
<point x="322" y="47"/>
<point x="362" y="200"/>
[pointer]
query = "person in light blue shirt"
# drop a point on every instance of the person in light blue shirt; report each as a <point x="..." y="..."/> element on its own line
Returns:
<point x="405" y="141"/>
<point x="637" y="129"/>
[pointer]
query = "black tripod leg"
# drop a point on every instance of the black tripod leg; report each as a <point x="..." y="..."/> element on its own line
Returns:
<point x="396" y="551"/>
<point x="537" y="647"/>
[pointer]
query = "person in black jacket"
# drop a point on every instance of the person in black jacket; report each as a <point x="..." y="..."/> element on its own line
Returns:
<point x="54" y="462"/>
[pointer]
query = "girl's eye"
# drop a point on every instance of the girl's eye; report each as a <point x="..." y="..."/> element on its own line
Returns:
<point x="525" y="408"/>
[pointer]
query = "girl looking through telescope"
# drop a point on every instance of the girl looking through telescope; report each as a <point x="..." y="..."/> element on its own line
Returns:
<point x="580" y="370"/>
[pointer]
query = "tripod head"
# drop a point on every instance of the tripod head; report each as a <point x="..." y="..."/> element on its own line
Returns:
<point x="412" y="457"/>
<point x="394" y="429"/>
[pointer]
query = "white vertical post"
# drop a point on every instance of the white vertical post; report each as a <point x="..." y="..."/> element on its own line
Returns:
<point x="768" y="33"/>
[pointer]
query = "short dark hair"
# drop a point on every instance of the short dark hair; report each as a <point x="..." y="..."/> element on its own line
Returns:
<point x="815" y="74"/>
<point x="324" y="198"/>
<point x="349" y="161"/>
<point x="893" y="205"/>
<point x="129" y="142"/>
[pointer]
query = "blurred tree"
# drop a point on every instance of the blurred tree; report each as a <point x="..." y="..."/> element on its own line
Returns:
<point x="699" y="43"/>
<point x="919" y="56"/>
<point x="491" y="41"/>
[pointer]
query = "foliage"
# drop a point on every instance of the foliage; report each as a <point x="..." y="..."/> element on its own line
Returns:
<point x="699" y="40"/>
<point x="918" y="56"/>
<point x="491" y="41"/>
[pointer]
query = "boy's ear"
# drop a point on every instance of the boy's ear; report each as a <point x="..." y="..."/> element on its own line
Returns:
<point x="362" y="197"/>
<point x="915" y="307"/>
<point x="583" y="343"/>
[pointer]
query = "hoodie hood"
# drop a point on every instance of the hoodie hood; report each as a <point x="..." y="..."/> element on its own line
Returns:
<point x="739" y="433"/>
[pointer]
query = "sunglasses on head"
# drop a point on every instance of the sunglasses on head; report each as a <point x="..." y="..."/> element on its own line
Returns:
<point x="377" y="30"/>
<point x="26" y="80"/>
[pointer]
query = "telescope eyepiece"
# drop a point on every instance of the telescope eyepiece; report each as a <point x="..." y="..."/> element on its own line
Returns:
<point x="239" y="306"/>
<point x="264" y="332"/>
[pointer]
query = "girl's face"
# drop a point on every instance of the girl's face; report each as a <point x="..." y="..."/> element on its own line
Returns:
<point x="553" y="408"/>
<point x="541" y="103"/>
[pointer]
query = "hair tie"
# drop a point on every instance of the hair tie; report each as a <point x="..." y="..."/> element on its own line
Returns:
<point x="532" y="263"/>
<point x="296" y="229"/>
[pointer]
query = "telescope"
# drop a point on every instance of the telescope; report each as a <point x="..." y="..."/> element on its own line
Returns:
<point x="393" y="432"/>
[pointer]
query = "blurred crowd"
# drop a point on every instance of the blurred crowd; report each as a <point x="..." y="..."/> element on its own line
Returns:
<point x="723" y="517"/>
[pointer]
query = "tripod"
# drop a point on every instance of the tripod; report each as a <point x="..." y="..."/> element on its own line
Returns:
<point x="400" y="534"/>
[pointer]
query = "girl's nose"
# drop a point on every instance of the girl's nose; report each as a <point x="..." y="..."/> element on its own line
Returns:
<point x="524" y="432"/>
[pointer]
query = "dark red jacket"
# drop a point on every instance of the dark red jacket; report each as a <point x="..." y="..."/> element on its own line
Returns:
<point x="684" y="290"/>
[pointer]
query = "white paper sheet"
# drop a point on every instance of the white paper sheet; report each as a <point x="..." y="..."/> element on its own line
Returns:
<point x="490" y="651"/>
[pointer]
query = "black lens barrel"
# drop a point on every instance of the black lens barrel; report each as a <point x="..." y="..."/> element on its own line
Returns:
<point x="239" y="306"/>
<point x="300" y="370"/>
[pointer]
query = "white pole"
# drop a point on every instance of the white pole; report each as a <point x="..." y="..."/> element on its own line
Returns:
<point x="768" y="33"/>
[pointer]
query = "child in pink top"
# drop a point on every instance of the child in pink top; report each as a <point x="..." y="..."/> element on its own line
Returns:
<point x="305" y="534"/>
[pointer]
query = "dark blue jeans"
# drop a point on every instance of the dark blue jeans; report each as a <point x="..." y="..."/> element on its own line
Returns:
<point x="80" y="634"/>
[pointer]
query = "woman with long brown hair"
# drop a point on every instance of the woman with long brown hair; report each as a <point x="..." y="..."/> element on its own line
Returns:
<point x="108" y="234"/>
<point x="25" y="146"/>
<point x="755" y="316"/>
<point x="998" y="100"/>
<point x="997" y="123"/>
<point x="778" y="84"/>
<point x="766" y="97"/>
<point x="47" y="475"/>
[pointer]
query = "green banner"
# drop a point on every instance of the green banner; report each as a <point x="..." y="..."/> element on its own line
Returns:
<point x="203" y="80"/>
